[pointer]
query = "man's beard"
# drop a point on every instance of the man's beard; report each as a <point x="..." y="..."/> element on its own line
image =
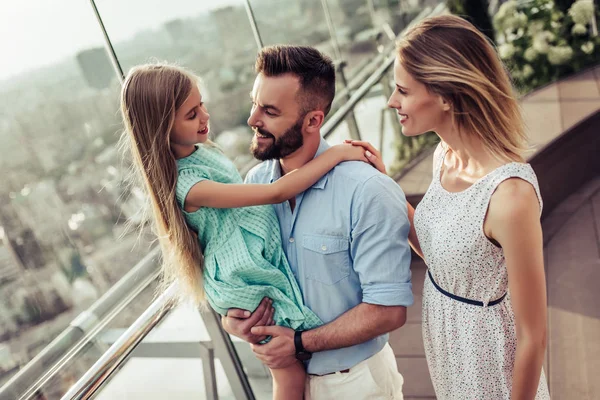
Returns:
<point x="282" y="147"/>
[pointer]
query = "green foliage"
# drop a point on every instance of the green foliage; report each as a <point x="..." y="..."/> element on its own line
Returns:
<point x="540" y="44"/>
<point x="474" y="11"/>
<point x="563" y="5"/>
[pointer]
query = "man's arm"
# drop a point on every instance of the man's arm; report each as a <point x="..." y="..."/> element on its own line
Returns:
<point x="381" y="256"/>
<point x="358" y="325"/>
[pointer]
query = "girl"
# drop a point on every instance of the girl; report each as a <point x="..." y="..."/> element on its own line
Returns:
<point x="214" y="244"/>
<point x="478" y="225"/>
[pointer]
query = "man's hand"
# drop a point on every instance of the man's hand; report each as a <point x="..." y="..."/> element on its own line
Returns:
<point x="280" y="352"/>
<point x="240" y="322"/>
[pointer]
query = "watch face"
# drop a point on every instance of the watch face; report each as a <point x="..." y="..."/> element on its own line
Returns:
<point x="303" y="356"/>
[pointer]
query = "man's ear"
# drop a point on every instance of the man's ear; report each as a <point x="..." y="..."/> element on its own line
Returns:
<point x="313" y="121"/>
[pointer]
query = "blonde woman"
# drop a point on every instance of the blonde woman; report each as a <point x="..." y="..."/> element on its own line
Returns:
<point x="214" y="243"/>
<point x="478" y="225"/>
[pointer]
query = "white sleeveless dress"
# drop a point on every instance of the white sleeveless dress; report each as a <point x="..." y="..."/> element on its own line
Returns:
<point x="470" y="349"/>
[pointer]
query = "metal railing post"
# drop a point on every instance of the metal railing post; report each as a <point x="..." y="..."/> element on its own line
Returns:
<point x="254" y="25"/>
<point x="108" y="44"/>
<point x="340" y="65"/>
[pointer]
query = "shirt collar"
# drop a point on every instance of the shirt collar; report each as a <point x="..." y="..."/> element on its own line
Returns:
<point x="320" y="184"/>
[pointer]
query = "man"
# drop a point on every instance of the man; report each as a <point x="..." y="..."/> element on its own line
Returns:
<point x="345" y="239"/>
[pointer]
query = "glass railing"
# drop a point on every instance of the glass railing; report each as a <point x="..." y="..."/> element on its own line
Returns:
<point x="146" y="351"/>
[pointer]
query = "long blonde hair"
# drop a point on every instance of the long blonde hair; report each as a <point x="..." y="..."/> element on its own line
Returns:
<point x="456" y="61"/>
<point x="150" y="97"/>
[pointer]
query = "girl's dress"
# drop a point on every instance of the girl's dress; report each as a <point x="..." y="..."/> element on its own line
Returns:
<point x="470" y="348"/>
<point x="243" y="258"/>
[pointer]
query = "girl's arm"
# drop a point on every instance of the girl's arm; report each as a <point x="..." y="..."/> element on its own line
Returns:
<point x="374" y="157"/>
<point x="514" y="222"/>
<point x="223" y="195"/>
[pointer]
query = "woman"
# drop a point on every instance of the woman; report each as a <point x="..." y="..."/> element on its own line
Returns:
<point x="478" y="226"/>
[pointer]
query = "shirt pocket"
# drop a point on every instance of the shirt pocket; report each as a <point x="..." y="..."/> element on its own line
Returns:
<point x="326" y="258"/>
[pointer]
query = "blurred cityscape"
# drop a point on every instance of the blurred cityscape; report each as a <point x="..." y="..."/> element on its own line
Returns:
<point x="70" y="217"/>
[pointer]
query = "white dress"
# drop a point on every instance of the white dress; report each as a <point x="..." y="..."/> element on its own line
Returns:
<point x="470" y="349"/>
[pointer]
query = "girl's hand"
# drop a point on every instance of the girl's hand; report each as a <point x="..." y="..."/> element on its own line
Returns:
<point x="347" y="152"/>
<point x="371" y="153"/>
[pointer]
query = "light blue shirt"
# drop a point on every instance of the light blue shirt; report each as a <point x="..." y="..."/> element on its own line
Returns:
<point x="346" y="242"/>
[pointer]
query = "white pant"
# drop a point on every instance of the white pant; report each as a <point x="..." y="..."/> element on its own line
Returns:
<point x="375" y="378"/>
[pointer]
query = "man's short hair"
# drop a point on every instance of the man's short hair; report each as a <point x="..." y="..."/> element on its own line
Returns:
<point x="314" y="69"/>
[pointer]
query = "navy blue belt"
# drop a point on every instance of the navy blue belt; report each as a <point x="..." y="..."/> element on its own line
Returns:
<point x="462" y="299"/>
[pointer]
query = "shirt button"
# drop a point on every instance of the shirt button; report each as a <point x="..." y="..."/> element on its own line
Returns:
<point x="323" y="247"/>
<point x="291" y="240"/>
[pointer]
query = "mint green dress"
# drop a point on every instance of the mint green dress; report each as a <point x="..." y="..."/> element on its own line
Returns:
<point x="243" y="258"/>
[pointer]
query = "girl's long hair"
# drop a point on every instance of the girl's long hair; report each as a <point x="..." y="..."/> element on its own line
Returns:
<point x="456" y="61"/>
<point x="150" y="97"/>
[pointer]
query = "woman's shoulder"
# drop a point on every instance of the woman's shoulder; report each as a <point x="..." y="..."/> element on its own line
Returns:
<point x="514" y="172"/>
<point x="516" y="190"/>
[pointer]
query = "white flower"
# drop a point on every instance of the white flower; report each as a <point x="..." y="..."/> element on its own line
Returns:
<point x="508" y="8"/>
<point x="556" y="16"/>
<point x="579" y="30"/>
<point x="558" y="55"/>
<point x="582" y="11"/>
<point x="548" y="36"/>
<point x="506" y="51"/>
<point x="587" y="47"/>
<point x="541" y="41"/>
<point x="536" y="27"/>
<point x="503" y="19"/>
<point x="527" y="71"/>
<point x="530" y="54"/>
<point x="519" y="20"/>
<point x="540" y="45"/>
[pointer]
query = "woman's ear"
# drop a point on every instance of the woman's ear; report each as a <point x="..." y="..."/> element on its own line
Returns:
<point x="445" y="104"/>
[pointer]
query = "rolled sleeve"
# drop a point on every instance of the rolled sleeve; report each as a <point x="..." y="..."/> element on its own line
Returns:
<point x="379" y="246"/>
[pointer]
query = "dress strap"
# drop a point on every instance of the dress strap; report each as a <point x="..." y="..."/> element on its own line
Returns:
<point x="441" y="151"/>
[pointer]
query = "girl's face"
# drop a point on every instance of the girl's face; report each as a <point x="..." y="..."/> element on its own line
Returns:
<point x="191" y="123"/>
<point x="419" y="110"/>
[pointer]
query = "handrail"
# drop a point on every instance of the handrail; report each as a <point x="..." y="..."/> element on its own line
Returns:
<point x="102" y="369"/>
<point x="58" y="352"/>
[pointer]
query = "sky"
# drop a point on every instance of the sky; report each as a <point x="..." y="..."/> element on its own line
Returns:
<point x="35" y="33"/>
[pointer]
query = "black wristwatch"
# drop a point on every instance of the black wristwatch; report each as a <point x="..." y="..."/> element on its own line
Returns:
<point x="301" y="353"/>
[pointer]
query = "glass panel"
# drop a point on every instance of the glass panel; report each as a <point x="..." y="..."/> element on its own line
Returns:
<point x="258" y="374"/>
<point x="183" y="342"/>
<point x="63" y="204"/>
<point x="355" y="33"/>
<point x="370" y="112"/>
<point x="298" y="23"/>
<point x="197" y="35"/>
<point x="82" y="360"/>
<point x="292" y="22"/>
